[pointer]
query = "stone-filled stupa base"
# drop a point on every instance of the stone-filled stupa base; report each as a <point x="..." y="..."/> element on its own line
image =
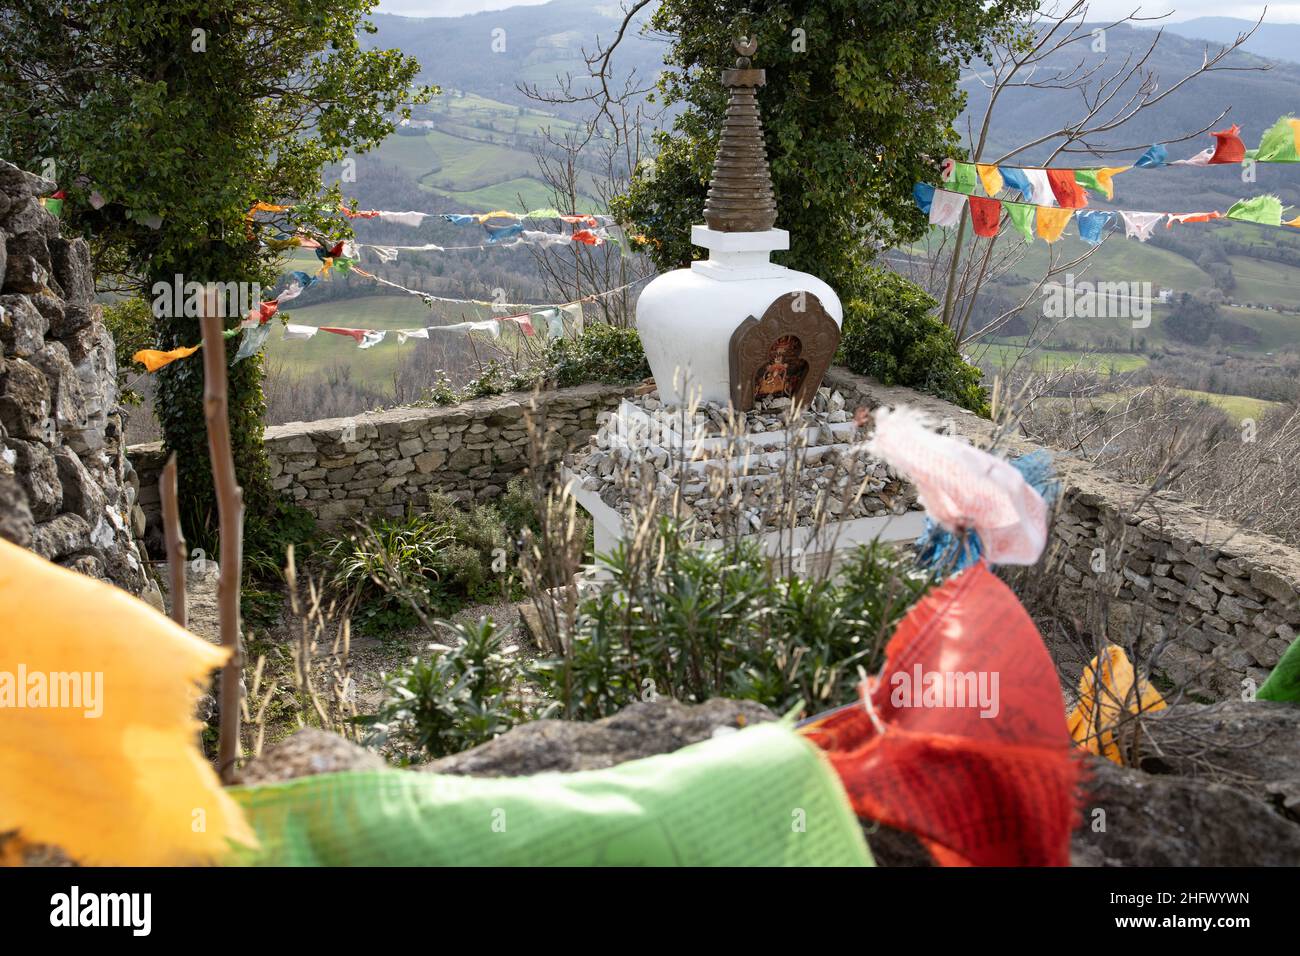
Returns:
<point x="736" y="478"/>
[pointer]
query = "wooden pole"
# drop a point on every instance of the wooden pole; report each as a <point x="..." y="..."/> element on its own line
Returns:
<point x="230" y="514"/>
<point x="175" y="542"/>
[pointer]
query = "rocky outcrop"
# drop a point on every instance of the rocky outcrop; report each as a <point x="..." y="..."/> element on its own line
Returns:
<point x="67" y="490"/>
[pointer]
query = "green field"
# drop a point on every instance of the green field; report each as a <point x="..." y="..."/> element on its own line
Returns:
<point x="1236" y="407"/>
<point x="1265" y="282"/>
<point x="995" y="356"/>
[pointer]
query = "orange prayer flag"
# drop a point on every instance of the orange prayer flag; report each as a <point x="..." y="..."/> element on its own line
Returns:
<point x="154" y="359"/>
<point x="1109" y="691"/>
<point x="1052" y="221"/>
<point x="111" y="772"/>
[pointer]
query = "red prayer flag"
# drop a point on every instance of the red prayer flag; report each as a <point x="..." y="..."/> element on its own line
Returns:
<point x="1069" y="194"/>
<point x="358" y="334"/>
<point x="1228" y="146"/>
<point x="586" y="237"/>
<point x="985" y="215"/>
<point x="993" y="784"/>
<point x="523" y="320"/>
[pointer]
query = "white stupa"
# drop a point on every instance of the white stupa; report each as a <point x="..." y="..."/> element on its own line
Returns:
<point x="686" y="317"/>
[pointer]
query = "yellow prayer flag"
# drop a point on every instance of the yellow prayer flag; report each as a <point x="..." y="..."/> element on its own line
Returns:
<point x="154" y="359"/>
<point x="97" y="739"/>
<point x="990" y="177"/>
<point x="499" y="214"/>
<point x="1108" y="692"/>
<point x="1052" y="221"/>
<point x="1106" y="177"/>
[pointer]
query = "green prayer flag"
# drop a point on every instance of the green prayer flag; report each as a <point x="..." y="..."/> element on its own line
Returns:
<point x="546" y="213"/>
<point x="1278" y="145"/>
<point x="1022" y="217"/>
<point x="965" y="179"/>
<point x="1087" y="178"/>
<point x="53" y="206"/>
<point x="1266" y="210"/>
<point x="762" y="796"/>
<point x="1284" y="682"/>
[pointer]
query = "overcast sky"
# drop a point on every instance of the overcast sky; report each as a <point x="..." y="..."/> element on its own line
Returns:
<point x="1098" y="10"/>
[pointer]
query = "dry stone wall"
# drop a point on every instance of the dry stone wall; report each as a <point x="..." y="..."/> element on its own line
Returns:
<point x="1223" y="601"/>
<point x="382" y="462"/>
<point x="67" y="490"/>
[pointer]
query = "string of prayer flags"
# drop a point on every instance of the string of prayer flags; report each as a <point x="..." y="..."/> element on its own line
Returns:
<point x="1092" y="224"/>
<point x="1265" y="210"/>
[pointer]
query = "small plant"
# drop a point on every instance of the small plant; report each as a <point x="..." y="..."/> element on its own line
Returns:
<point x="458" y="696"/>
<point x="402" y="572"/>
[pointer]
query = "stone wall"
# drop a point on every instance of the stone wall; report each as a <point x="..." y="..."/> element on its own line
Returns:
<point x="1150" y="565"/>
<point x="381" y="462"/>
<point x="67" y="490"/>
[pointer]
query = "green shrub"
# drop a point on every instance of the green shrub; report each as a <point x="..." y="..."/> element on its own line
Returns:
<point x="456" y="697"/>
<point x="892" y="334"/>
<point x="706" y="623"/>
<point x="602" y="353"/>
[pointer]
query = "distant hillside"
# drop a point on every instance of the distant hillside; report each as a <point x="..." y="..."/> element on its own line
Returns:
<point x="540" y="43"/>
<point x="1277" y="41"/>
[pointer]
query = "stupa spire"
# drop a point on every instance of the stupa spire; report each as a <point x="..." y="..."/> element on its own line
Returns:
<point x="740" y="192"/>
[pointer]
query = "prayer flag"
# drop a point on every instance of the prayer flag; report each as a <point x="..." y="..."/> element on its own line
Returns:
<point x="1102" y="709"/>
<point x="1100" y="180"/>
<point x="946" y="208"/>
<point x="1067" y="191"/>
<point x="1052" y="222"/>
<point x="990" y="178"/>
<point x="1138" y="225"/>
<point x="1228" y="147"/>
<point x="1092" y="224"/>
<point x="922" y="195"/>
<point x="985" y="216"/>
<point x="1022" y="217"/>
<point x="1016" y="179"/>
<point x="1154" y="157"/>
<point x="154" y="359"/>
<point x="1265" y="210"/>
<point x="1042" y="187"/>
<point x="1281" y="144"/>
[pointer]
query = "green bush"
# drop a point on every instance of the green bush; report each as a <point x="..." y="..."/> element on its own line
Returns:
<point x="459" y="696"/>
<point x="892" y="334"/>
<point x="602" y="353"/>
<point x="719" y="623"/>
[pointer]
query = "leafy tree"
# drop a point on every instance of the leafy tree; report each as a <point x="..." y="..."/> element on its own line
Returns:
<point x="859" y="105"/>
<point x="182" y="114"/>
<point x="1194" y="318"/>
